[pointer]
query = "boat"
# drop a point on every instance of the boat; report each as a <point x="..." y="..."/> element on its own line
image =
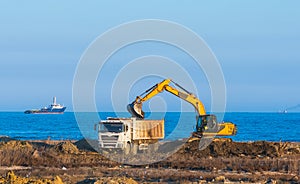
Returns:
<point x="53" y="108"/>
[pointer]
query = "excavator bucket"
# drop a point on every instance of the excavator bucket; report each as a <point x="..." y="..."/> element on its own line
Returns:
<point x="135" y="109"/>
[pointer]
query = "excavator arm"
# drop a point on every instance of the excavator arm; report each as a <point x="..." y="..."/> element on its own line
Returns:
<point x="205" y="124"/>
<point x="164" y="86"/>
<point x="190" y="98"/>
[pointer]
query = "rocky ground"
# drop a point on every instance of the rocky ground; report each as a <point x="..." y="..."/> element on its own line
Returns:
<point x="221" y="161"/>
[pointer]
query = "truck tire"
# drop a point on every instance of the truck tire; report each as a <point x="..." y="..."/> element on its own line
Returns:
<point x="152" y="148"/>
<point x="127" y="149"/>
<point x="155" y="147"/>
<point x="134" y="148"/>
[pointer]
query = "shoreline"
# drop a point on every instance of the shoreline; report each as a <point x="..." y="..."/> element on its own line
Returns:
<point x="55" y="141"/>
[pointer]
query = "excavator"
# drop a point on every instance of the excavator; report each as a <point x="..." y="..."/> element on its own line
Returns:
<point x="206" y="124"/>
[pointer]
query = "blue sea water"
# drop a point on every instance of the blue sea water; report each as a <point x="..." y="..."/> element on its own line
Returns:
<point x="251" y="126"/>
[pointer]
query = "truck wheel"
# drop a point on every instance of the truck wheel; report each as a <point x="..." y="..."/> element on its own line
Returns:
<point x="127" y="149"/>
<point x="151" y="148"/>
<point x="155" y="147"/>
<point x="134" y="148"/>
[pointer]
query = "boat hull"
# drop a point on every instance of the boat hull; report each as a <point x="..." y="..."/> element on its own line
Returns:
<point x="46" y="111"/>
<point x="31" y="112"/>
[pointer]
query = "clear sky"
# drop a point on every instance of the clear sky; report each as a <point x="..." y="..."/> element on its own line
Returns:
<point x="256" y="42"/>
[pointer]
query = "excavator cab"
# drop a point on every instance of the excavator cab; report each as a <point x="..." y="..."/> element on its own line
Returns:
<point x="206" y="124"/>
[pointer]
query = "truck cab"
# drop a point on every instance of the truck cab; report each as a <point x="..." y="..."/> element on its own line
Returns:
<point x="114" y="133"/>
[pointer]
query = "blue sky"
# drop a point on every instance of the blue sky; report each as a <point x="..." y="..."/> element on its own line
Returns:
<point x="256" y="42"/>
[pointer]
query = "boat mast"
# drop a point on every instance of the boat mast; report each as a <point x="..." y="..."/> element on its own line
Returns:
<point x="54" y="100"/>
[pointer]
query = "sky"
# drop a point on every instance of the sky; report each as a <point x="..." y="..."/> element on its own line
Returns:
<point x="257" y="44"/>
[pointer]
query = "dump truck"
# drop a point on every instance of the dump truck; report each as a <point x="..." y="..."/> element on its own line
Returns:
<point x="130" y="134"/>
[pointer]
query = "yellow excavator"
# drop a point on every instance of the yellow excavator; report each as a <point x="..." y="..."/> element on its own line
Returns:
<point x="206" y="124"/>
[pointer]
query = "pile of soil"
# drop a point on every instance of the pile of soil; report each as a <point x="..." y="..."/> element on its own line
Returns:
<point x="86" y="145"/>
<point x="12" y="178"/>
<point x="16" y="145"/>
<point x="66" y="147"/>
<point x="231" y="149"/>
<point x="5" y="139"/>
<point x="113" y="180"/>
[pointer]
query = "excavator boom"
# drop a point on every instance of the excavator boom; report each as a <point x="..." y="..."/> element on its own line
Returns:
<point x="135" y="108"/>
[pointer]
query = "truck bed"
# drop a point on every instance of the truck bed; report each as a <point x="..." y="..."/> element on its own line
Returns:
<point x="148" y="129"/>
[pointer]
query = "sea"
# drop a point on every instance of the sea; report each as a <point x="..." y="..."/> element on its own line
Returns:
<point x="75" y="126"/>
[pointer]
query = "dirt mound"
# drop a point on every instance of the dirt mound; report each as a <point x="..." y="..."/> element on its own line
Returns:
<point x="87" y="145"/>
<point x="249" y="149"/>
<point x="16" y="145"/>
<point x="116" y="180"/>
<point x="5" y="138"/>
<point x="15" y="153"/>
<point x="66" y="147"/>
<point x="230" y="149"/>
<point x="12" y="178"/>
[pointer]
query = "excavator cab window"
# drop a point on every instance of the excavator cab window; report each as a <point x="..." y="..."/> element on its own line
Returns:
<point x="206" y="123"/>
